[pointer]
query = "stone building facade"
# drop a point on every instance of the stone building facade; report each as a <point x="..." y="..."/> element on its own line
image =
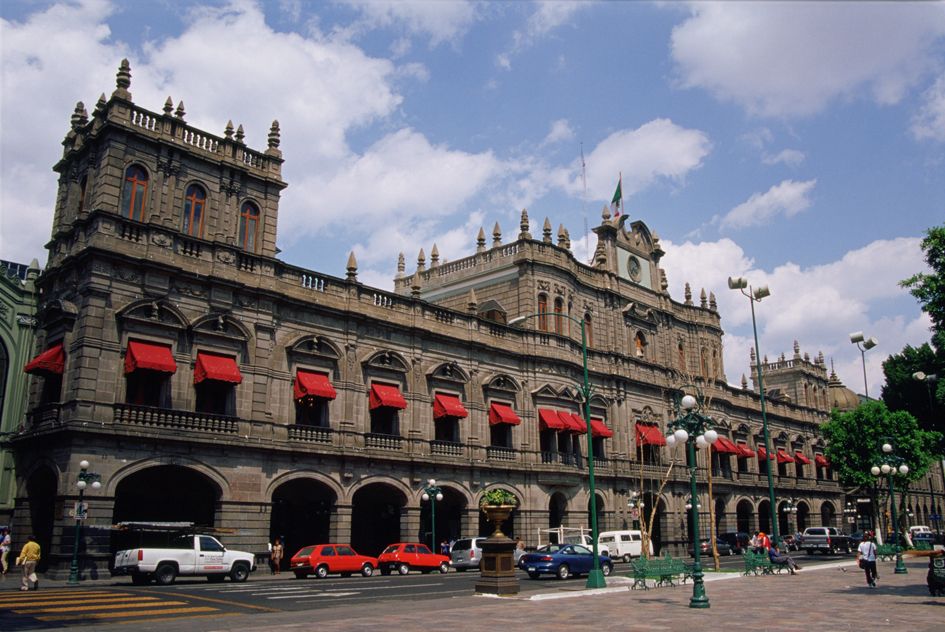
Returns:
<point x="207" y="380"/>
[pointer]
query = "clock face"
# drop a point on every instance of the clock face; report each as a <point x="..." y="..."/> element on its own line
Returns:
<point x="633" y="267"/>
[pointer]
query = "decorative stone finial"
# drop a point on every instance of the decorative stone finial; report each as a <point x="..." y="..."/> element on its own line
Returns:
<point x="797" y="349"/>
<point x="168" y="106"/>
<point x="605" y="214"/>
<point x="228" y="132"/>
<point x="567" y="239"/>
<point x="496" y="235"/>
<point x="123" y="81"/>
<point x="421" y="261"/>
<point x="782" y="358"/>
<point x="401" y="266"/>
<point x="523" y="226"/>
<point x="744" y="382"/>
<point x="702" y="299"/>
<point x="100" y="105"/>
<point x="600" y="255"/>
<point x="472" y="303"/>
<point x="179" y="113"/>
<point x="546" y="232"/>
<point x="352" y="267"/>
<point x="820" y="358"/>
<point x="806" y="357"/>
<point x="664" y="282"/>
<point x="481" y="240"/>
<point x="712" y="304"/>
<point x="765" y="360"/>
<point x="561" y="236"/>
<point x="751" y="354"/>
<point x="274" y="136"/>
<point x="688" y="294"/>
<point x="434" y="257"/>
<point x="240" y="135"/>
<point x="79" y="116"/>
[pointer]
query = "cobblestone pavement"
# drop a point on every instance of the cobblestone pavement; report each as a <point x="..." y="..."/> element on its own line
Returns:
<point x="824" y="598"/>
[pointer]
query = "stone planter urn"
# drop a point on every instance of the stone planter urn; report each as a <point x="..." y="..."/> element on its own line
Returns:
<point x="497" y="576"/>
<point x="497" y="514"/>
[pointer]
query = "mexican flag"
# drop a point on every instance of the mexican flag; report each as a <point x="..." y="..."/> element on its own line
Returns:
<point x="617" y="203"/>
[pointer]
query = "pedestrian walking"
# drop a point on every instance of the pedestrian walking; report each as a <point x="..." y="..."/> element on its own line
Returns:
<point x="29" y="557"/>
<point x="275" y="556"/>
<point x="866" y="558"/>
<point x="4" y="550"/>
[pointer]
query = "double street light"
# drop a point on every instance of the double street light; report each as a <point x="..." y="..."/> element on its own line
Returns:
<point x="863" y="344"/>
<point x="595" y="579"/>
<point x="892" y="464"/>
<point x="432" y="493"/>
<point x="754" y="296"/>
<point x="85" y="479"/>
<point x="696" y="431"/>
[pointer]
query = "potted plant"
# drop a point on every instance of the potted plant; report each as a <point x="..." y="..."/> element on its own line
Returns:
<point x="498" y="505"/>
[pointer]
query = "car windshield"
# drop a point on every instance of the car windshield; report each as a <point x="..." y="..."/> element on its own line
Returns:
<point x="306" y="551"/>
<point x="391" y="549"/>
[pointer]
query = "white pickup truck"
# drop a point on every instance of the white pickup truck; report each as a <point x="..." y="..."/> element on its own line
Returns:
<point x="186" y="555"/>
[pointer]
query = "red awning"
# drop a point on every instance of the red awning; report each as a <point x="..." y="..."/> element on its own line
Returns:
<point x="724" y="446"/>
<point x="211" y="366"/>
<point x="821" y="460"/>
<point x="598" y="429"/>
<point x="49" y="361"/>
<point x="762" y="452"/>
<point x="502" y="414"/>
<point x="386" y="396"/>
<point x="311" y="384"/>
<point x="146" y="355"/>
<point x="445" y="405"/>
<point x="550" y="419"/>
<point x="784" y="457"/>
<point x="577" y="424"/>
<point x="649" y="434"/>
<point x="799" y="456"/>
<point x="744" y="452"/>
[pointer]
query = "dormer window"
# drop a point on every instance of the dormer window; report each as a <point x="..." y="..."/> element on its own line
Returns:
<point x="194" y="201"/>
<point x="134" y="193"/>
<point x="249" y="224"/>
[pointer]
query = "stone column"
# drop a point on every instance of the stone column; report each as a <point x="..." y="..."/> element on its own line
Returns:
<point x="340" y="529"/>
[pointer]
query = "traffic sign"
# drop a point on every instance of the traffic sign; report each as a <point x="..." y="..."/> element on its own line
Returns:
<point x="80" y="511"/>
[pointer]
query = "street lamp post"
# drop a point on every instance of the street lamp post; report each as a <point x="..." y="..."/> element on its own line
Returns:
<point x="85" y="479"/>
<point x="695" y="430"/>
<point x="754" y="296"/>
<point x="432" y="493"/>
<point x="595" y="579"/>
<point x="850" y="512"/>
<point x="864" y="345"/>
<point x="891" y="464"/>
<point x="789" y="509"/>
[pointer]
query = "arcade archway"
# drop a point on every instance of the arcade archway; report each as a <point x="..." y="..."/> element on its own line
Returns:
<point x="557" y="509"/>
<point x="449" y="518"/>
<point x="375" y="517"/>
<point x="301" y="514"/>
<point x="764" y="516"/>
<point x="185" y="495"/>
<point x="41" y="492"/>
<point x="743" y="517"/>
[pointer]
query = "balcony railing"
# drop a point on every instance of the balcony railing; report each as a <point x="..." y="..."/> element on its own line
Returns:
<point x="378" y="441"/>
<point x="44" y="414"/>
<point x="446" y="448"/>
<point x="180" y="419"/>
<point x="565" y="458"/>
<point x="497" y="453"/>
<point x="311" y="434"/>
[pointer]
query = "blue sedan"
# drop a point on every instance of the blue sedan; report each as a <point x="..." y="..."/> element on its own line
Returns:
<point x="563" y="561"/>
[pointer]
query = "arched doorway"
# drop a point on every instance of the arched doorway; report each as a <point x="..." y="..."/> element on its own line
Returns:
<point x="743" y="517"/>
<point x="784" y="526"/>
<point x="557" y="510"/>
<point x="375" y="517"/>
<point x="803" y="516"/>
<point x="720" y="516"/>
<point x="449" y="518"/>
<point x="301" y="515"/>
<point x="828" y="515"/>
<point x="189" y="496"/>
<point x="659" y="526"/>
<point x="41" y="492"/>
<point x="508" y="527"/>
<point x="764" y="516"/>
<point x="600" y="514"/>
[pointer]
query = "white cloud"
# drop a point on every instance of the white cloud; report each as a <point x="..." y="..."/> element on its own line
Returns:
<point x="790" y="157"/>
<point x="548" y="16"/>
<point x="929" y="123"/>
<point x="658" y="149"/>
<point x="440" y="21"/>
<point x="818" y="305"/>
<point x="787" y="58"/>
<point x="789" y="197"/>
<point x="560" y="131"/>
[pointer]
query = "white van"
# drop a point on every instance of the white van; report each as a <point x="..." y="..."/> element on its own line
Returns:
<point x="623" y="544"/>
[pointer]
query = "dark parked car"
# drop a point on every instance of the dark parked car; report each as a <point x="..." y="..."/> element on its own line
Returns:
<point x="705" y="549"/>
<point x="563" y="561"/>
<point x="738" y="540"/>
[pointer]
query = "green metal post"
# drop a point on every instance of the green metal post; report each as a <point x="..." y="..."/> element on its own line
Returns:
<point x="699" y="598"/>
<point x="74" y="567"/>
<point x="900" y="567"/>
<point x="764" y="425"/>
<point x="595" y="579"/>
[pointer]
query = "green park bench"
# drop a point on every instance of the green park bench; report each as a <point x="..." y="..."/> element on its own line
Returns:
<point x="760" y="563"/>
<point x="664" y="571"/>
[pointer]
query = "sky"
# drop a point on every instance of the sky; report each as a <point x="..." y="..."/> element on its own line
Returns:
<point x="801" y="145"/>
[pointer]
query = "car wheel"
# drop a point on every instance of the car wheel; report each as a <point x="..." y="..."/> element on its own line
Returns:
<point x="240" y="573"/>
<point x="321" y="571"/>
<point x="403" y="569"/>
<point x="444" y="568"/>
<point x="627" y="557"/>
<point x="534" y="575"/>
<point x="607" y="569"/>
<point x="563" y="572"/>
<point x="165" y="574"/>
<point x="301" y="574"/>
<point x="367" y="570"/>
<point x="140" y="579"/>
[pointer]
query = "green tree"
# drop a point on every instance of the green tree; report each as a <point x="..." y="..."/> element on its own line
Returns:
<point x="854" y="441"/>
<point x="924" y="400"/>
<point x="929" y="288"/>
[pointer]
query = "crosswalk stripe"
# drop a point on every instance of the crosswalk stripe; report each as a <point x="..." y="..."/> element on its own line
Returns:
<point x="116" y="615"/>
<point x="107" y="606"/>
<point x="41" y="603"/>
<point x="61" y="594"/>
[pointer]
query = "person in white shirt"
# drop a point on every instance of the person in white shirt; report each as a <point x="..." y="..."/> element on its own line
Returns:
<point x="5" y="545"/>
<point x="866" y="557"/>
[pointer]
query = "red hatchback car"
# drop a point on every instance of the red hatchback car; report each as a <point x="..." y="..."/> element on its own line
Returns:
<point x="408" y="555"/>
<point x="321" y="559"/>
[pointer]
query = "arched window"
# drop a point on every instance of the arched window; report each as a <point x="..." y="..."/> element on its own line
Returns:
<point x="542" y="312"/>
<point x="249" y="224"/>
<point x="589" y="330"/>
<point x="83" y="184"/>
<point x="195" y="200"/>
<point x="559" y="320"/>
<point x="705" y="362"/>
<point x="639" y="345"/>
<point x="134" y="193"/>
<point x="715" y="363"/>
<point x="681" y="353"/>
